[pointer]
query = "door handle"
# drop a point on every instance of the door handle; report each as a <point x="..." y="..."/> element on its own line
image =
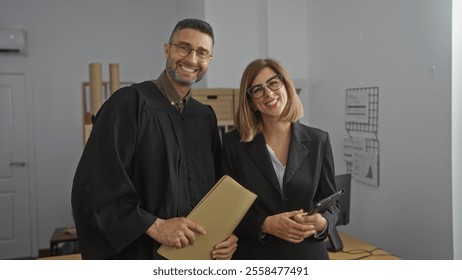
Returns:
<point x="20" y="164"/>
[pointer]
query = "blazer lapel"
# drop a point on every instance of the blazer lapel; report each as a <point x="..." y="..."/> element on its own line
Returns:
<point x="259" y="154"/>
<point x="298" y="150"/>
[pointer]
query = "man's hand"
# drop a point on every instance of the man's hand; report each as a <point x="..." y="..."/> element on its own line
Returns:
<point x="175" y="232"/>
<point x="225" y="250"/>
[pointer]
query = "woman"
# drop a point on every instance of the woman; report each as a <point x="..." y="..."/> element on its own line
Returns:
<point x="287" y="164"/>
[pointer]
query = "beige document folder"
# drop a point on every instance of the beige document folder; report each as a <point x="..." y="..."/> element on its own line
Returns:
<point x="219" y="212"/>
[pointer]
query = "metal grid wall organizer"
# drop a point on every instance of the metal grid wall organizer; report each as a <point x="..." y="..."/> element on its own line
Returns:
<point x="369" y="127"/>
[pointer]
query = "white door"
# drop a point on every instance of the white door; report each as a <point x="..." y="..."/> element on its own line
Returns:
<point x="15" y="226"/>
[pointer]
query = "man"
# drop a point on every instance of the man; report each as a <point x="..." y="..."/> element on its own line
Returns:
<point x="153" y="153"/>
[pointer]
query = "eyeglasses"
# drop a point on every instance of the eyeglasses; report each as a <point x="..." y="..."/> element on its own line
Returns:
<point x="184" y="50"/>
<point x="274" y="83"/>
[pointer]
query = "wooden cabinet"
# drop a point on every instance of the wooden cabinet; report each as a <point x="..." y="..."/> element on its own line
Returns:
<point x="224" y="102"/>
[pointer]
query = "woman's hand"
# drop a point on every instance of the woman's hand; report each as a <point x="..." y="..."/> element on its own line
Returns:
<point x="317" y="220"/>
<point x="225" y="250"/>
<point x="289" y="226"/>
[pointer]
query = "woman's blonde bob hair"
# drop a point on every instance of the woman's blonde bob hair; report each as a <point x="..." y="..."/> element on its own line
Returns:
<point x="247" y="121"/>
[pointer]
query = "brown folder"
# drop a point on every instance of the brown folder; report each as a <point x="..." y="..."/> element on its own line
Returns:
<point x="219" y="212"/>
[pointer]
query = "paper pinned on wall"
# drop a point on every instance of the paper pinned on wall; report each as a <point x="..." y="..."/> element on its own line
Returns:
<point x="357" y="107"/>
<point x="365" y="168"/>
<point x="353" y="145"/>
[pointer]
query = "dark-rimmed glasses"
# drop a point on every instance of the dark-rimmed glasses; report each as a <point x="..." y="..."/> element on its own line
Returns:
<point x="274" y="83"/>
<point x="184" y="50"/>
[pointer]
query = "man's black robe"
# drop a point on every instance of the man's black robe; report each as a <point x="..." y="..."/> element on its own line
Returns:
<point x="144" y="159"/>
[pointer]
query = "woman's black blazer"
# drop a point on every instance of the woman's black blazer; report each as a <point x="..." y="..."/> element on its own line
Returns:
<point x="309" y="177"/>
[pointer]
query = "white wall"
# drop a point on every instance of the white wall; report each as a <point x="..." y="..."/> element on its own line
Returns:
<point x="247" y="30"/>
<point x="237" y="26"/>
<point x="457" y="125"/>
<point x="393" y="45"/>
<point x="287" y="41"/>
<point x="400" y="42"/>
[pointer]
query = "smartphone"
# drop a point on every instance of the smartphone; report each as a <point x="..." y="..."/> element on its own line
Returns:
<point x="326" y="202"/>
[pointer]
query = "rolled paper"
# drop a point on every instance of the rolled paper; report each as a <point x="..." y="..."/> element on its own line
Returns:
<point x="114" y="80"/>
<point x="96" y="88"/>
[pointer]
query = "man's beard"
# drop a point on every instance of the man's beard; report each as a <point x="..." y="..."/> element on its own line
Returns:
<point x="172" y="73"/>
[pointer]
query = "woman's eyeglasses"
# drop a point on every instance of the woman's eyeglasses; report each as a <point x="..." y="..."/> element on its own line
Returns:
<point x="274" y="83"/>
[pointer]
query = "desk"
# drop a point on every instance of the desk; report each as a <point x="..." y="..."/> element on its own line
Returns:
<point x="62" y="235"/>
<point x="354" y="249"/>
<point x="63" y="257"/>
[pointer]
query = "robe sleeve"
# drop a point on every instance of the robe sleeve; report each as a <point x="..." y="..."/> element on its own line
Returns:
<point x="111" y="197"/>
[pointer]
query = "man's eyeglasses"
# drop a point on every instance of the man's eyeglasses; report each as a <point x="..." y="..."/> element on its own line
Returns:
<point x="274" y="83"/>
<point x="184" y="50"/>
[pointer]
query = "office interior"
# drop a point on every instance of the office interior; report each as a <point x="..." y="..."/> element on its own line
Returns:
<point x="407" y="48"/>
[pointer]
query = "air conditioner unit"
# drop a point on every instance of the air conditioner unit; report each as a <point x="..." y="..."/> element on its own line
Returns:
<point x="12" y="41"/>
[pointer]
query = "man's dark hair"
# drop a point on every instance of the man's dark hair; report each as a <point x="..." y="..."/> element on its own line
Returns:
<point x="193" y="23"/>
